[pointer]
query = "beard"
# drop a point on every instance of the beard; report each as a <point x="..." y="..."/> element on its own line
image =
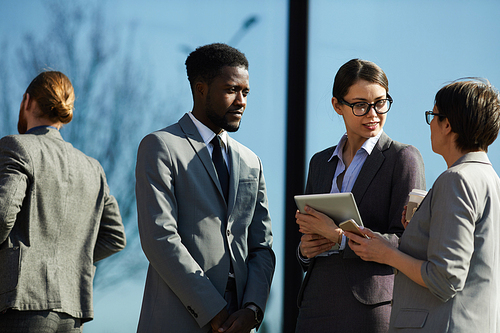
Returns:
<point x="220" y="121"/>
<point x="22" y="124"/>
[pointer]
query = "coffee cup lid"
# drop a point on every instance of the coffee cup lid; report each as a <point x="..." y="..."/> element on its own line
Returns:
<point x="418" y="192"/>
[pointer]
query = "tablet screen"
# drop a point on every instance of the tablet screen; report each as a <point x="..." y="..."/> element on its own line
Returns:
<point x="338" y="206"/>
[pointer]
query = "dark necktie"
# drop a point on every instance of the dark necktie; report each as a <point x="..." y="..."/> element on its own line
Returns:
<point x="220" y="166"/>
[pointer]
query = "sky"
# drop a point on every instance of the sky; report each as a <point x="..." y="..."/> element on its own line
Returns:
<point x="420" y="44"/>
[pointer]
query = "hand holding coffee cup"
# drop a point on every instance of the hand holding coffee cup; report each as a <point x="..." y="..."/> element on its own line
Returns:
<point x="416" y="197"/>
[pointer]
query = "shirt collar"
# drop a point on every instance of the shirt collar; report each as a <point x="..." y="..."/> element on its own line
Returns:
<point x="206" y="133"/>
<point x="33" y="129"/>
<point x="368" y="145"/>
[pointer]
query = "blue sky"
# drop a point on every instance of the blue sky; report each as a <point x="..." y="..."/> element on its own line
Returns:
<point x="420" y="44"/>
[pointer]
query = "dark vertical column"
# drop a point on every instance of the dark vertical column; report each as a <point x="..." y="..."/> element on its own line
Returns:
<point x="295" y="153"/>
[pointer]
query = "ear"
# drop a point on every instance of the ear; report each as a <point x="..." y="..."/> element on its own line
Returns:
<point x="336" y="106"/>
<point x="201" y="88"/>
<point x="446" y="126"/>
<point x="27" y="102"/>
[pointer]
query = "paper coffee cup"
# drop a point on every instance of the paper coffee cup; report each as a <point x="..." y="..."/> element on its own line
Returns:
<point x="416" y="197"/>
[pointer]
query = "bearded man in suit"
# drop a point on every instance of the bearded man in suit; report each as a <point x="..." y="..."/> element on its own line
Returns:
<point x="202" y="209"/>
<point x="57" y="217"/>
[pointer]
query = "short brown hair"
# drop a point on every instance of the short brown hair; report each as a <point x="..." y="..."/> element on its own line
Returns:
<point x="472" y="106"/>
<point x="54" y="94"/>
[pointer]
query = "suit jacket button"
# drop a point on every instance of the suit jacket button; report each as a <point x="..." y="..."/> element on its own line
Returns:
<point x="192" y="312"/>
<point x="229" y="232"/>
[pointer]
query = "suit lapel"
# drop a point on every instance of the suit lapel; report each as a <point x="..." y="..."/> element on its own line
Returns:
<point x="196" y="141"/>
<point x="320" y="177"/>
<point x="370" y="168"/>
<point x="329" y="173"/>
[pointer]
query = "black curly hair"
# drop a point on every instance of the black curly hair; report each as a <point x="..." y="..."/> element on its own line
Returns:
<point x="206" y="62"/>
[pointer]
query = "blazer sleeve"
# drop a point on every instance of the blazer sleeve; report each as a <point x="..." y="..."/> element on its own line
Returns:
<point x="261" y="258"/>
<point x="319" y="180"/>
<point x="454" y="213"/>
<point x="408" y="174"/>
<point x="157" y="211"/>
<point x="111" y="236"/>
<point x="15" y="174"/>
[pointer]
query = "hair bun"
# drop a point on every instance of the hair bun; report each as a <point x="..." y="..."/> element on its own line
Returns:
<point x="55" y="95"/>
<point x="63" y="109"/>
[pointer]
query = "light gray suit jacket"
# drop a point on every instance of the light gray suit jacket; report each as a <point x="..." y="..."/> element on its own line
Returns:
<point x="456" y="231"/>
<point x="57" y="219"/>
<point x="190" y="235"/>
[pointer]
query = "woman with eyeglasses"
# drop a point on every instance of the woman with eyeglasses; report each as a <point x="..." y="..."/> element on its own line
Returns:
<point x="449" y="255"/>
<point x="341" y="292"/>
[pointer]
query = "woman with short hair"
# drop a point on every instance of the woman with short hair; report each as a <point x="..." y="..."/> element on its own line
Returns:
<point x="449" y="256"/>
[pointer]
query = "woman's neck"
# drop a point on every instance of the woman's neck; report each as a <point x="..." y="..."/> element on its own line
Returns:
<point x="350" y="149"/>
<point x="454" y="154"/>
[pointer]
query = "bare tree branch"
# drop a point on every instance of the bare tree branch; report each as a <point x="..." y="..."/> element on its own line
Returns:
<point x="114" y="108"/>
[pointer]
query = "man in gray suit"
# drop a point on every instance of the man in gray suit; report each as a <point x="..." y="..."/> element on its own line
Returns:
<point x="202" y="209"/>
<point x="57" y="217"/>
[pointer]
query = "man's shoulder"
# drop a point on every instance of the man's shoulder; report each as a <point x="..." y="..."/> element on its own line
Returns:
<point x="16" y="145"/>
<point x="243" y="150"/>
<point x="172" y="129"/>
<point x="33" y="147"/>
<point x="16" y="139"/>
<point x="24" y="143"/>
<point x="171" y="132"/>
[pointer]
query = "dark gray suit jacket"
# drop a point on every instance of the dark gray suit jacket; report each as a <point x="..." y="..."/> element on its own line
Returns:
<point x="381" y="190"/>
<point x="190" y="235"/>
<point x="57" y="219"/>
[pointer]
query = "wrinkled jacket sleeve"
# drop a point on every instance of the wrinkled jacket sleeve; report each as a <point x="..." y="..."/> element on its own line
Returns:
<point x="111" y="237"/>
<point x="453" y="217"/>
<point x="15" y="174"/>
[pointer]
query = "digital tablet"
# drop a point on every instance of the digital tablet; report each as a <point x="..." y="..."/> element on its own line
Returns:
<point x="338" y="206"/>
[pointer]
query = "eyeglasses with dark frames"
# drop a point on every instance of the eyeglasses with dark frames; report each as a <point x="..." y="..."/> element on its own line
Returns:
<point x="359" y="109"/>
<point x="429" y="115"/>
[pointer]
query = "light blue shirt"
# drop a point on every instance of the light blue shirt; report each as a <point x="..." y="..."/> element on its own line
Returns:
<point x="351" y="173"/>
<point x="350" y="177"/>
<point x="354" y="168"/>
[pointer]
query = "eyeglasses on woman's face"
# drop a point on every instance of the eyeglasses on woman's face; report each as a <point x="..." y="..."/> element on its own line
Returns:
<point x="429" y="115"/>
<point x="359" y="109"/>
